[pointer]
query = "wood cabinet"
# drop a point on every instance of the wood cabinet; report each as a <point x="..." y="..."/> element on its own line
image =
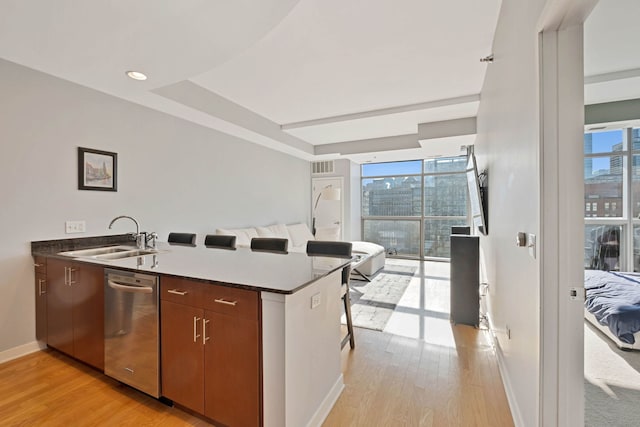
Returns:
<point x="211" y="350"/>
<point x="182" y="355"/>
<point x="75" y="310"/>
<point x="40" y="266"/>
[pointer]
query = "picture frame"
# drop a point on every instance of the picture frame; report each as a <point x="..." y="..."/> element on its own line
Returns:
<point x="97" y="170"/>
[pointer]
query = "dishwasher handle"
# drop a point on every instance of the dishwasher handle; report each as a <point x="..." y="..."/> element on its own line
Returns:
<point x="127" y="288"/>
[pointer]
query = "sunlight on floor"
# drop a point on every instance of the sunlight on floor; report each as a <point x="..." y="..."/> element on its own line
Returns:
<point x="604" y="368"/>
<point x="423" y="310"/>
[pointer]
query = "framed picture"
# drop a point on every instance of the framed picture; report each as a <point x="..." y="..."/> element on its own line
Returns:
<point x="97" y="170"/>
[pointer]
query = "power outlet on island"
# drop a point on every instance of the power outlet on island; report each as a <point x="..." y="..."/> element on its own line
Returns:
<point x="75" y="227"/>
<point x="315" y="300"/>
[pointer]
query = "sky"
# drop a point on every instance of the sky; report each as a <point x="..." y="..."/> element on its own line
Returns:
<point x="603" y="142"/>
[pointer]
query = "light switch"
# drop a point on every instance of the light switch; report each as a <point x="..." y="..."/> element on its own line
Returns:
<point x="531" y="244"/>
<point x="315" y="300"/>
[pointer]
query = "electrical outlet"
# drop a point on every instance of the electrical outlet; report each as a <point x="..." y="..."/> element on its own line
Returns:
<point x="75" y="227"/>
<point x="315" y="300"/>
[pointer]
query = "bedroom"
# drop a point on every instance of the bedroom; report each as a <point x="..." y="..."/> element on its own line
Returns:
<point x="611" y="211"/>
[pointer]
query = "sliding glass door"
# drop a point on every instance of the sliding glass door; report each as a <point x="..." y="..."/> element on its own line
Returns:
<point x="409" y="207"/>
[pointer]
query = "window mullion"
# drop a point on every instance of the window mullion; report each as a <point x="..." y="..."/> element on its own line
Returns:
<point x="627" y="201"/>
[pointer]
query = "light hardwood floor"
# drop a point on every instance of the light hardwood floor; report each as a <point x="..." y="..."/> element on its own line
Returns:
<point x="390" y="380"/>
<point x="396" y="381"/>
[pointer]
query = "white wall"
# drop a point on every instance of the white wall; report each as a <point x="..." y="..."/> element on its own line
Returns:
<point x="172" y="176"/>
<point x="507" y="146"/>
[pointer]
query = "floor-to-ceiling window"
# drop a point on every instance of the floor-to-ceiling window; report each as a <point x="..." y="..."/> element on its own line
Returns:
<point x="445" y="203"/>
<point x="409" y="207"/>
<point x="612" y="199"/>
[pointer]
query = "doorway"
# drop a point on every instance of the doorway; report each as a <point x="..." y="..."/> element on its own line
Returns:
<point x="327" y="208"/>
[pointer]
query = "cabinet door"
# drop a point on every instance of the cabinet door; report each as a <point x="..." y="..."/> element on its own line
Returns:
<point x="88" y="314"/>
<point x="182" y="355"/>
<point x="232" y="362"/>
<point x="41" y="299"/>
<point x="59" y="307"/>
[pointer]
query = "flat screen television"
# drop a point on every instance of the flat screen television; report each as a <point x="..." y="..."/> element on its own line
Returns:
<point x="477" y="196"/>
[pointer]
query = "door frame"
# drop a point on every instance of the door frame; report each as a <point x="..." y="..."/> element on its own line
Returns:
<point x="561" y="102"/>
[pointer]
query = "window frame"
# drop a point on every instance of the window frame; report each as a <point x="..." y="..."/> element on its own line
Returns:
<point x="420" y="218"/>
<point x="626" y="221"/>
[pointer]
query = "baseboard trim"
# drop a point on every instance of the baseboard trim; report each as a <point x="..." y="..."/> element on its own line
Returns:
<point x="330" y="399"/>
<point x="21" y="350"/>
<point x="502" y="367"/>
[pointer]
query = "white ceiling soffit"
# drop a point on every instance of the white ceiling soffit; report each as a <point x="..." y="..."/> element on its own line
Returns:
<point x="434" y="139"/>
<point x="276" y="61"/>
<point x="380" y="123"/>
<point x="440" y="147"/>
<point x="611" y="62"/>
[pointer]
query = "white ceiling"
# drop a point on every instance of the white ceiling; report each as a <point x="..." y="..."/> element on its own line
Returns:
<point x="611" y="60"/>
<point x="301" y="76"/>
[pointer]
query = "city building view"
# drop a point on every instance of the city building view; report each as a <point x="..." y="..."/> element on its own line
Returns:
<point x="612" y="199"/>
<point x="409" y="207"/>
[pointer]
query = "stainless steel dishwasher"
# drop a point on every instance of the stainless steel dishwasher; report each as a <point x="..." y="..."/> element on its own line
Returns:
<point x="131" y="330"/>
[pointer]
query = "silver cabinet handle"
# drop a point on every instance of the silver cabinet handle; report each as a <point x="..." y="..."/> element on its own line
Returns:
<point x="223" y="301"/>
<point x="195" y="329"/>
<point x="126" y="288"/>
<point x="71" y="281"/>
<point x="66" y="276"/>
<point x="40" y="287"/>
<point x="38" y="265"/>
<point x="205" y="338"/>
<point x="177" y="292"/>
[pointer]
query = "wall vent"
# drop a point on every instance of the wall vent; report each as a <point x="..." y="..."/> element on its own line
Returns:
<point x="322" y="167"/>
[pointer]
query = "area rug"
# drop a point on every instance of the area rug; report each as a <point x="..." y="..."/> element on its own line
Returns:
<point x="612" y="382"/>
<point x="372" y="303"/>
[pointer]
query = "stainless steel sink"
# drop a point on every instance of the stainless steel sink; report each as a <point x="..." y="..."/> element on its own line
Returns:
<point x="97" y="251"/>
<point x="126" y="254"/>
<point x="109" y="252"/>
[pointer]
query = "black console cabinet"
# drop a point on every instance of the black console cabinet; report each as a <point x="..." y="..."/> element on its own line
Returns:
<point x="465" y="282"/>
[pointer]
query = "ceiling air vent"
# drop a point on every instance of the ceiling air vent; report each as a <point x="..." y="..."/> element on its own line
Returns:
<point x="322" y="167"/>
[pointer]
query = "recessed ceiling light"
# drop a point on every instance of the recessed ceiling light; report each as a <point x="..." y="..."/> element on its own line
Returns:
<point x="137" y="75"/>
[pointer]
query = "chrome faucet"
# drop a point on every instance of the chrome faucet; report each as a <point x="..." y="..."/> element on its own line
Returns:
<point x="150" y="237"/>
<point x="140" y="239"/>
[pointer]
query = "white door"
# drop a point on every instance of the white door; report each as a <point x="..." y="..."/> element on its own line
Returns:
<point x="327" y="198"/>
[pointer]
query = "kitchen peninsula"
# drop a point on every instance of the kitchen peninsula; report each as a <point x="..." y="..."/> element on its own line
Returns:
<point x="296" y="313"/>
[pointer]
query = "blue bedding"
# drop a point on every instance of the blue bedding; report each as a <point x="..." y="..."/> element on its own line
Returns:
<point x="614" y="299"/>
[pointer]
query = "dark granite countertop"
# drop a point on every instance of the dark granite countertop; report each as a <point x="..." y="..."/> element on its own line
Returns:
<point x="243" y="268"/>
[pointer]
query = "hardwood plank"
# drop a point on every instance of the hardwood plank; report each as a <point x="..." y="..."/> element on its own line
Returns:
<point x="49" y="388"/>
<point x="401" y="381"/>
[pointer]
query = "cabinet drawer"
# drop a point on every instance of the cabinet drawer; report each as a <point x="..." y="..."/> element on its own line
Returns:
<point x="40" y="264"/>
<point x="221" y="299"/>
<point x="231" y="301"/>
<point x="182" y="291"/>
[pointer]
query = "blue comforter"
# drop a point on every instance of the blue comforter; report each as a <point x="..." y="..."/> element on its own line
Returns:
<point x="614" y="299"/>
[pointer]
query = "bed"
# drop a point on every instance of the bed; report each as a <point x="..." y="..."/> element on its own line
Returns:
<point x="612" y="305"/>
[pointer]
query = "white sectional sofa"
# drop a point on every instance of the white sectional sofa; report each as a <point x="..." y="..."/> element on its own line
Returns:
<point x="299" y="234"/>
